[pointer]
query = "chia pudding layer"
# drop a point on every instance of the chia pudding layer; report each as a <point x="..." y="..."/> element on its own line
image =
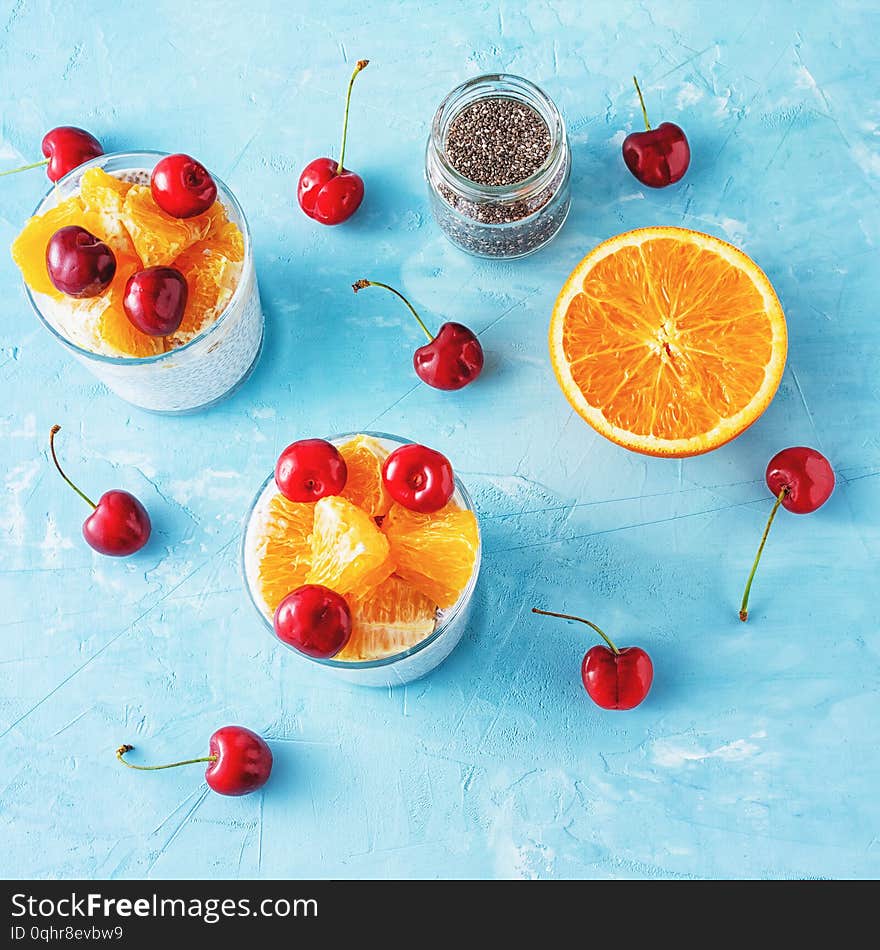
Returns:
<point x="416" y="662"/>
<point x="201" y="367"/>
<point x="498" y="167"/>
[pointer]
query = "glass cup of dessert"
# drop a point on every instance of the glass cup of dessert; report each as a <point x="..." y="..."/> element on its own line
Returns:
<point x="406" y="576"/>
<point x="218" y="341"/>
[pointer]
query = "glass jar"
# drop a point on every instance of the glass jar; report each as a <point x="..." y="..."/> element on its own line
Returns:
<point x="499" y="221"/>
<point x="202" y="371"/>
<point x="399" y="668"/>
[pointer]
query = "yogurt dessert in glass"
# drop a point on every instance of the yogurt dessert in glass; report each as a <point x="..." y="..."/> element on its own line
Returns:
<point x="407" y="577"/>
<point x="218" y="341"/>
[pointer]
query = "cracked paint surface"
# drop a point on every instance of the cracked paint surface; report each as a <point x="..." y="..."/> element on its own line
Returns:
<point x="755" y="754"/>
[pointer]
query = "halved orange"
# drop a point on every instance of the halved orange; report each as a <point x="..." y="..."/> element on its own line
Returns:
<point x="364" y="486"/>
<point x="667" y="341"/>
<point x="389" y="619"/>
<point x="349" y="553"/>
<point x="433" y="552"/>
<point x="285" y="555"/>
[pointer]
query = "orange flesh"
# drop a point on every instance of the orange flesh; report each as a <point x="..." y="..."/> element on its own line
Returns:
<point x="667" y="339"/>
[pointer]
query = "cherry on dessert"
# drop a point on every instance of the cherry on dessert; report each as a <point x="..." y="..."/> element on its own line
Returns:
<point x="657" y="157"/>
<point x="802" y="480"/>
<point x="314" y="620"/>
<point x="182" y="187"/>
<point x="419" y="478"/>
<point x="155" y="300"/>
<point x="65" y="148"/>
<point x="309" y="470"/>
<point x="613" y="679"/>
<point x="78" y="263"/>
<point x="239" y="760"/>
<point x="118" y="525"/>
<point x="452" y="359"/>
<point x="327" y="191"/>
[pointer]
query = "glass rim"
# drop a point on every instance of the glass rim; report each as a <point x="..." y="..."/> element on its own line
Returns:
<point x="436" y="633"/>
<point x="227" y="198"/>
<point x="515" y="190"/>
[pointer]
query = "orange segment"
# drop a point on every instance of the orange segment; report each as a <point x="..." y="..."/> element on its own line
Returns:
<point x="224" y="236"/>
<point x="103" y="197"/>
<point x="349" y="553"/>
<point x="364" y="486"/>
<point x="389" y="619"/>
<point x="211" y="279"/>
<point x="285" y="555"/>
<point x="436" y="553"/>
<point x="29" y="248"/>
<point x="114" y="327"/>
<point x="158" y="238"/>
<point x="667" y="341"/>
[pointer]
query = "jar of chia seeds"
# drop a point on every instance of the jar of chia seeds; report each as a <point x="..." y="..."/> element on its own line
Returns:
<point x="498" y="167"/>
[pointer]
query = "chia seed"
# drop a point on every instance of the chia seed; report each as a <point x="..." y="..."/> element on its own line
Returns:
<point x="497" y="141"/>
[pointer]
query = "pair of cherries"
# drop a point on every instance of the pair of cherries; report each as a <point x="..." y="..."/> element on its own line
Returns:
<point x="313" y="619"/>
<point x="81" y="265"/>
<point x="802" y="481"/>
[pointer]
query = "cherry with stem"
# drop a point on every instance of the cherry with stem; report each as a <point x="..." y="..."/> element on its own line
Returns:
<point x="613" y="678"/>
<point x="451" y="359"/>
<point x="118" y="525"/>
<point x="657" y="157"/>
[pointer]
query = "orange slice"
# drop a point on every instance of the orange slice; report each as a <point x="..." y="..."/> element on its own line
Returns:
<point x="285" y="555"/>
<point x="29" y="248"/>
<point x="158" y="238"/>
<point x="364" y="486"/>
<point x="667" y="341"/>
<point x="103" y="197"/>
<point x="389" y="619"/>
<point x="224" y="236"/>
<point x="211" y="279"/>
<point x="114" y="327"/>
<point x="349" y="553"/>
<point x="436" y="553"/>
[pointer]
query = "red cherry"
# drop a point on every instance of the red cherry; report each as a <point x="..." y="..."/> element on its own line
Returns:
<point x="419" y="478"/>
<point x="802" y="481"/>
<point x="309" y="470"/>
<point x="614" y="679"/>
<point x="327" y="192"/>
<point x="806" y="476"/>
<point x="452" y="359"/>
<point x="314" y="620"/>
<point x="617" y="680"/>
<point x="155" y="300"/>
<point x="657" y="157"/>
<point x="182" y="187"/>
<point x="243" y="763"/>
<point x="78" y="263"/>
<point x="118" y="525"/>
<point x="239" y="760"/>
<point x="67" y="147"/>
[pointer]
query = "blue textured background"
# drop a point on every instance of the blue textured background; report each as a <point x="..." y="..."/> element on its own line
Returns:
<point x="756" y="753"/>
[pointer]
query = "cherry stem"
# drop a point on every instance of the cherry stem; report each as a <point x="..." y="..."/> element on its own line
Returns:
<point x="744" y="606"/>
<point x="120" y="754"/>
<point x="361" y="64"/>
<point x="25" y="168"/>
<point x="360" y="284"/>
<point x="642" y="101"/>
<point x="589" y="623"/>
<point x="81" y="494"/>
